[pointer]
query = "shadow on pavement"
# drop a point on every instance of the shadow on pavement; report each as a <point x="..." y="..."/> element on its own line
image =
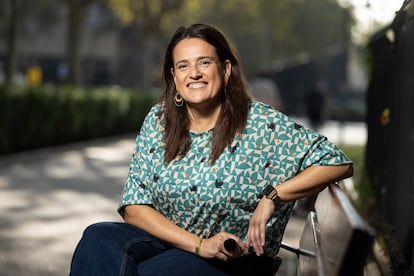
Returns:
<point x="47" y="198"/>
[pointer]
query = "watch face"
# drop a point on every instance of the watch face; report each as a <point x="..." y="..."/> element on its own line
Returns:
<point x="268" y="190"/>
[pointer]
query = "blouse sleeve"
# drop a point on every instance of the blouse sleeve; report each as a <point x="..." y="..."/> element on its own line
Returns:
<point x="320" y="151"/>
<point x="136" y="187"/>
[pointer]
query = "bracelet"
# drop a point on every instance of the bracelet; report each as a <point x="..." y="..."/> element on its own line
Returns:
<point x="198" y="247"/>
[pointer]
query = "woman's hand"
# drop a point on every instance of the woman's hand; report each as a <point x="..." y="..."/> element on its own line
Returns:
<point x="309" y="182"/>
<point x="214" y="247"/>
<point x="257" y="225"/>
<point x="150" y="220"/>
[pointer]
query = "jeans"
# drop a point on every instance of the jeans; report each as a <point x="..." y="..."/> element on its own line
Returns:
<point x="122" y="249"/>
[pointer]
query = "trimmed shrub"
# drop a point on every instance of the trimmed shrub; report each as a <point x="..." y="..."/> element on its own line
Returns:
<point x="39" y="116"/>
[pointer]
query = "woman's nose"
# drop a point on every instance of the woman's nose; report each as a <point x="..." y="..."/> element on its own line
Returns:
<point x="195" y="72"/>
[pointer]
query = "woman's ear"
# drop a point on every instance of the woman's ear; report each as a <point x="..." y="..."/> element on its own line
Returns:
<point x="227" y="69"/>
<point x="173" y="75"/>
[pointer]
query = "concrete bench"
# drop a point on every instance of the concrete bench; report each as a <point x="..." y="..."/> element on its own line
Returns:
<point x="335" y="239"/>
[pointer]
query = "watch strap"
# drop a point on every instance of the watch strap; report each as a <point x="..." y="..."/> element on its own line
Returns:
<point x="271" y="193"/>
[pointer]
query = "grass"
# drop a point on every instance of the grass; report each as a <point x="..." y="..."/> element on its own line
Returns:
<point x="356" y="153"/>
<point x="365" y="200"/>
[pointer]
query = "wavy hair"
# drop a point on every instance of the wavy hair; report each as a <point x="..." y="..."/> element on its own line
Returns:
<point x="235" y="98"/>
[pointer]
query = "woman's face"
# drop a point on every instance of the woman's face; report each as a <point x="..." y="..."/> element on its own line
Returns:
<point x="197" y="72"/>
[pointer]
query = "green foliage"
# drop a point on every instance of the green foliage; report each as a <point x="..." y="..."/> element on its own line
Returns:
<point x="263" y="30"/>
<point x="365" y="201"/>
<point x="47" y="115"/>
<point x="356" y="154"/>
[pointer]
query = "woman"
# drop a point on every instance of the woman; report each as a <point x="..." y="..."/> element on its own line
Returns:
<point x="210" y="165"/>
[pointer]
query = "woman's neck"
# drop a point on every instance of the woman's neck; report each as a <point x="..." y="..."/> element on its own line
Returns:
<point x="203" y="119"/>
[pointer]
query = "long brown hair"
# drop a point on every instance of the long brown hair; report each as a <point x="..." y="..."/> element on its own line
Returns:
<point x="235" y="98"/>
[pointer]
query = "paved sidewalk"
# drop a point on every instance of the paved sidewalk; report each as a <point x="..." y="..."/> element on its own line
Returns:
<point x="350" y="133"/>
<point x="48" y="196"/>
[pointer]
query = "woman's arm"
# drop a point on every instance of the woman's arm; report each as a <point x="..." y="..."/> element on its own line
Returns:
<point x="151" y="221"/>
<point x="312" y="180"/>
<point x="309" y="182"/>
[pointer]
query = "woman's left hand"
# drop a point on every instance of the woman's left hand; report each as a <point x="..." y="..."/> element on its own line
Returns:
<point x="257" y="225"/>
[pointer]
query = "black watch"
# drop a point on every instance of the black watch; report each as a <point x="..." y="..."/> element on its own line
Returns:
<point x="271" y="193"/>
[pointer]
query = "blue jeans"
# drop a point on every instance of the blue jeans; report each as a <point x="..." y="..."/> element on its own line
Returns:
<point x="122" y="249"/>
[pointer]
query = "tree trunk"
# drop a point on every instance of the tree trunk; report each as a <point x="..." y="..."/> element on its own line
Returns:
<point x="11" y="51"/>
<point x="77" y="10"/>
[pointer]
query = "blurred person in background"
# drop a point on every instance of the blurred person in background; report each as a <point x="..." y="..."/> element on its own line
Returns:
<point x="315" y="103"/>
<point x="210" y="165"/>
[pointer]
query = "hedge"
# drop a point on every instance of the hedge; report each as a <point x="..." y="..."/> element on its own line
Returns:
<point x="46" y="115"/>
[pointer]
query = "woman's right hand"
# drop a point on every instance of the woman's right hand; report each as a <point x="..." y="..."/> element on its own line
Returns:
<point x="213" y="247"/>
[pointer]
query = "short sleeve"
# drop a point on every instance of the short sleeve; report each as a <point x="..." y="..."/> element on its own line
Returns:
<point x="136" y="190"/>
<point x="322" y="152"/>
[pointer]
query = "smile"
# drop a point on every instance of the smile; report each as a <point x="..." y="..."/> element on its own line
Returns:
<point x="196" y="85"/>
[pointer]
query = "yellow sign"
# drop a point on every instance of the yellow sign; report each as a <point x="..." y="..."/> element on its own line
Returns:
<point x="34" y="75"/>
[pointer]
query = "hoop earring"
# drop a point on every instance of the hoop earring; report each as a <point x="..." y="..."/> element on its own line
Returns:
<point x="178" y="100"/>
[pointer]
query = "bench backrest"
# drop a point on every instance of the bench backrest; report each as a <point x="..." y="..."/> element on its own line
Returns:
<point x="337" y="238"/>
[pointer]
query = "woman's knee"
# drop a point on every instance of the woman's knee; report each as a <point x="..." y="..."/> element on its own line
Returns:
<point x="100" y="229"/>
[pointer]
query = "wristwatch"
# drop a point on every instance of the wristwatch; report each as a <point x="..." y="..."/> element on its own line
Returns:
<point x="271" y="193"/>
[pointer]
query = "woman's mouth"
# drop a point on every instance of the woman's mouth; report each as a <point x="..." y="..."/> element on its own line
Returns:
<point x="196" y="85"/>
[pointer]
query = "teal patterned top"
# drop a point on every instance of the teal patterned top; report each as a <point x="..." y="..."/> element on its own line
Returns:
<point x="206" y="199"/>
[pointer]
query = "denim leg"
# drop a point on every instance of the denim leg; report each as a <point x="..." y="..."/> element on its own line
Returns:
<point x="247" y="265"/>
<point x="123" y="249"/>
<point x="113" y="249"/>
<point x="176" y="262"/>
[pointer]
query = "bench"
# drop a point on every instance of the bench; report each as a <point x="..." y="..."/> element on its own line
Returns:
<point x="335" y="239"/>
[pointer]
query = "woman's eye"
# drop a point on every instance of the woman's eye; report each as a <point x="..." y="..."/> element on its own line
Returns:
<point x="204" y="62"/>
<point x="181" y="66"/>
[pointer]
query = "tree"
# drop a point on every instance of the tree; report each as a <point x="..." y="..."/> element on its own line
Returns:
<point x="263" y="30"/>
<point x="12" y="10"/>
<point x="145" y="18"/>
<point x="77" y="9"/>
<point x="15" y="16"/>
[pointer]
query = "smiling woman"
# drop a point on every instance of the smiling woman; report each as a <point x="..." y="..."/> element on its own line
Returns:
<point x="225" y="90"/>
<point x="210" y="164"/>
<point x="199" y="81"/>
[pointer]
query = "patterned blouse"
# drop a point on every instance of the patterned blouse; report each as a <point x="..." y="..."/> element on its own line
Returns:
<point x="207" y="199"/>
